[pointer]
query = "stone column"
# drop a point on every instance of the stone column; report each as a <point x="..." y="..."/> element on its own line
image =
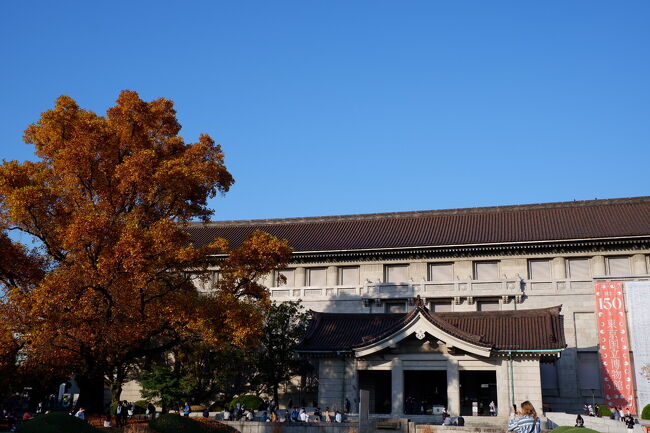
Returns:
<point x="504" y="399"/>
<point x="332" y="276"/>
<point x="350" y="385"/>
<point x="598" y="266"/>
<point x="331" y="372"/>
<point x="638" y="265"/>
<point x="299" y="277"/>
<point x="397" y="394"/>
<point x="559" y="268"/>
<point x="453" y="388"/>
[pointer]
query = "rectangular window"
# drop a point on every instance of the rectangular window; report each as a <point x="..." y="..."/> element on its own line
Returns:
<point x="486" y="271"/>
<point x="396" y="273"/>
<point x="548" y="373"/>
<point x="317" y="277"/>
<point x="618" y="266"/>
<point x="490" y="305"/>
<point x="441" y="271"/>
<point x="578" y="269"/>
<point x="289" y="275"/>
<point x="395" y="307"/>
<point x="539" y="269"/>
<point x="588" y="370"/>
<point x="440" y="306"/>
<point x="349" y="276"/>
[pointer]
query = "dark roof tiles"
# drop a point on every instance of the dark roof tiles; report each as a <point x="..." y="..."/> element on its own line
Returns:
<point x="594" y="219"/>
<point x="538" y="329"/>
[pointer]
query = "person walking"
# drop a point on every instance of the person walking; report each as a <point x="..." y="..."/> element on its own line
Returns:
<point x="81" y="414"/>
<point x="493" y="409"/>
<point x="524" y="421"/>
<point x="151" y="409"/>
<point x="628" y="419"/>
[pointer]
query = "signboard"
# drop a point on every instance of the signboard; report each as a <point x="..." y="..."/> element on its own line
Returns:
<point x="615" y="365"/>
<point x="637" y="294"/>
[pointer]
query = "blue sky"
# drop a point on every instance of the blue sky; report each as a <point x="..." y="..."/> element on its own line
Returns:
<point x="337" y="107"/>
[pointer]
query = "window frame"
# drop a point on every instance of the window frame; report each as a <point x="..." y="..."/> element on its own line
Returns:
<point x="308" y="272"/>
<point x="430" y="267"/>
<point x="488" y="301"/>
<point x="277" y="278"/>
<point x="550" y="269"/>
<point x="608" y="268"/>
<point x="446" y="301"/>
<point x="568" y="268"/>
<point x="339" y="277"/>
<point x="478" y="262"/>
<point x="388" y="304"/>
<point x="395" y="265"/>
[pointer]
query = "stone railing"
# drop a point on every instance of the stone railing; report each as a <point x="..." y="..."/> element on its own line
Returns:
<point x="503" y="288"/>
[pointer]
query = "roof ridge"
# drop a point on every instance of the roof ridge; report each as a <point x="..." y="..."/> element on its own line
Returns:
<point x="425" y="213"/>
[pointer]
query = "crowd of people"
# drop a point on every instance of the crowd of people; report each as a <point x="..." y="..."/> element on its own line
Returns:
<point x="616" y="413"/>
<point x="275" y="414"/>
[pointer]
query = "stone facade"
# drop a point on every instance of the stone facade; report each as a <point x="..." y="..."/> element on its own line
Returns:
<point x="561" y="250"/>
<point x="513" y="289"/>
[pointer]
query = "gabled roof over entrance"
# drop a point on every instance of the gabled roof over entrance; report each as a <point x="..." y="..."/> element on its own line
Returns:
<point x="478" y="332"/>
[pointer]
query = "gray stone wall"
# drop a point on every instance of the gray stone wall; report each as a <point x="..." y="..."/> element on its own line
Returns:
<point x="576" y="295"/>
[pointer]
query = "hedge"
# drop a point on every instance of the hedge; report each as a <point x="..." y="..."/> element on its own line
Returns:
<point x="141" y="406"/>
<point x="248" y="401"/>
<point x="57" y="422"/>
<point x="569" y="429"/>
<point x="605" y="411"/>
<point x="645" y="413"/>
<point x="171" y="423"/>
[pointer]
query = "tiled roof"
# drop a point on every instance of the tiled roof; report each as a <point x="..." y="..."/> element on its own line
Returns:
<point x="593" y="219"/>
<point x="538" y="329"/>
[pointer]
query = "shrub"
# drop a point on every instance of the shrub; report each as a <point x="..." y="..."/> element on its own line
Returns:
<point x="56" y="422"/>
<point x="249" y="402"/>
<point x="645" y="413"/>
<point x="605" y="411"/>
<point x="169" y="423"/>
<point x="141" y="406"/>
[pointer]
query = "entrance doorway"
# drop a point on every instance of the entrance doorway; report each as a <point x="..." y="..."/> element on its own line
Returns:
<point x="378" y="383"/>
<point x="477" y="390"/>
<point x="424" y="390"/>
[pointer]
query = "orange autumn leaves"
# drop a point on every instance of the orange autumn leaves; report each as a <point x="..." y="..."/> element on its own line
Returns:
<point x="107" y="203"/>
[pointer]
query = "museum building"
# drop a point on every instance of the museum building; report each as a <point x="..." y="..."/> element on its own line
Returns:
<point x="454" y="308"/>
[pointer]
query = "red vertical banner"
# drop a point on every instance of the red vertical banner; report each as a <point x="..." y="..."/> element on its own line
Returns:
<point x="614" y="347"/>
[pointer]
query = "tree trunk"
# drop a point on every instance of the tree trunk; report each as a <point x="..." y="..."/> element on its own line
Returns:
<point x="115" y="382"/>
<point x="116" y="391"/>
<point x="91" y="393"/>
<point x="275" y="394"/>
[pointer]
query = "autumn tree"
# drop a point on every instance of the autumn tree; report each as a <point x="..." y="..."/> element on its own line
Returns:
<point x="110" y="279"/>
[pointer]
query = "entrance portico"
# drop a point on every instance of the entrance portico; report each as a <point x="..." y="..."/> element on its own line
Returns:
<point x="433" y="360"/>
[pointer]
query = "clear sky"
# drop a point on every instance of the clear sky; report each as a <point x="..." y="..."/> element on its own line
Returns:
<point x="338" y="107"/>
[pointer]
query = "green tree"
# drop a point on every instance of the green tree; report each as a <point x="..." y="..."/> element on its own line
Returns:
<point x="284" y="325"/>
<point x="162" y="383"/>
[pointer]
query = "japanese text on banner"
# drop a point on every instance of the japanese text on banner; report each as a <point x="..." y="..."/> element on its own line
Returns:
<point x="615" y="366"/>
